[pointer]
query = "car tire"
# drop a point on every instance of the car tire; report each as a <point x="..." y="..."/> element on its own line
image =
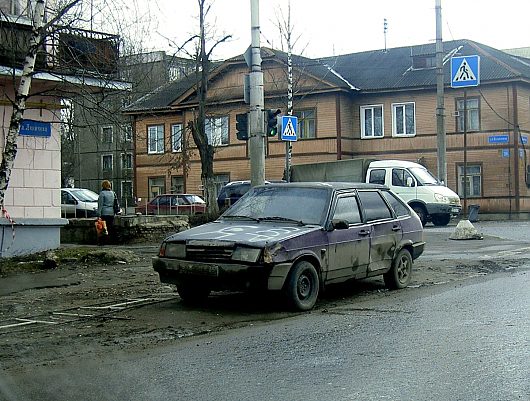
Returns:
<point x="400" y="274"/>
<point x="192" y="293"/>
<point x="441" y="220"/>
<point x="421" y="212"/>
<point x="302" y="286"/>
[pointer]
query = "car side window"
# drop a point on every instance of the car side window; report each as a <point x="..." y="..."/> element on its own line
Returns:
<point x="374" y="206"/>
<point x="396" y="204"/>
<point x="377" y="176"/>
<point x="347" y="209"/>
<point x="163" y="201"/>
<point x="401" y="178"/>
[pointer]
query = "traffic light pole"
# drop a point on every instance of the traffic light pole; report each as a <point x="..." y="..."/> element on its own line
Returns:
<point x="257" y="135"/>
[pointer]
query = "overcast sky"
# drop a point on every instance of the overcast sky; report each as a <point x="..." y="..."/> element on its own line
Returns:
<point x="328" y="27"/>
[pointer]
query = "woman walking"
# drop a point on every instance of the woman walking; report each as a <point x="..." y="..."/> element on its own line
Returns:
<point x="107" y="206"/>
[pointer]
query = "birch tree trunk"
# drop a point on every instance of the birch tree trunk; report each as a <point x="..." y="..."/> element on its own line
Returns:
<point x="19" y="106"/>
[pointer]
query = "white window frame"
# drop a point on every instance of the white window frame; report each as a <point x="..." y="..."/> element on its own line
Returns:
<point x="123" y="166"/>
<point x="111" y="133"/>
<point x="176" y="138"/>
<point x="123" y="194"/>
<point x="111" y="162"/>
<point x="394" y="119"/>
<point x="372" y="135"/>
<point x="127" y="132"/>
<point x="470" y="178"/>
<point x="220" y="124"/>
<point x="159" y="140"/>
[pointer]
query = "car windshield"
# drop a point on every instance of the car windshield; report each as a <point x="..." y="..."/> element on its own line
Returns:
<point x="287" y="203"/>
<point x="84" y="195"/>
<point x="423" y="176"/>
<point x="195" y="199"/>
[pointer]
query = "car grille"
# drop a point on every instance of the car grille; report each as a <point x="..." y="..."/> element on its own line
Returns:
<point x="208" y="252"/>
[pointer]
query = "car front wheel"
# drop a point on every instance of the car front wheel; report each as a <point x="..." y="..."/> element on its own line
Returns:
<point x="302" y="286"/>
<point x="400" y="274"/>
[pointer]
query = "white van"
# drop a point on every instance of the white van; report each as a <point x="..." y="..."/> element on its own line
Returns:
<point x="431" y="200"/>
<point x="78" y="202"/>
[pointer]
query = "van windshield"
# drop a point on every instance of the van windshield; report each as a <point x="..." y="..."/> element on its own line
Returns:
<point x="84" y="195"/>
<point x="423" y="176"/>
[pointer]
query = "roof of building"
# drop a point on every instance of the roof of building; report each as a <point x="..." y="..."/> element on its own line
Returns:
<point x="369" y="71"/>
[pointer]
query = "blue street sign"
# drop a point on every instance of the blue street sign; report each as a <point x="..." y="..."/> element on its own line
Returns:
<point x="289" y="128"/>
<point x="465" y="71"/>
<point x="506" y="153"/>
<point x="498" y="139"/>
<point x="524" y="139"/>
<point x="35" y="128"/>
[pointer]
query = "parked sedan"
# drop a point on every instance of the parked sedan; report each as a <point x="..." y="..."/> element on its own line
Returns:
<point x="78" y="202"/>
<point x="173" y="204"/>
<point x="296" y="238"/>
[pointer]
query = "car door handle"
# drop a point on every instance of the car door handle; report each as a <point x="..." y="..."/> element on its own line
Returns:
<point x="364" y="232"/>
<point x="396" y="228"/>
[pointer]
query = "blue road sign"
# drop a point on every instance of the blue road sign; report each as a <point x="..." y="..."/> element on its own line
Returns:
<point x="465" y="71"/>
<point x="524" y="139"/>
<point x="289" y="128"/>
<point x="35" y="128"/>
<point x="498" y="139"/>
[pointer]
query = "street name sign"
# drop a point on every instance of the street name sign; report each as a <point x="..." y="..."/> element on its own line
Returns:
<point x="289" y="127"/>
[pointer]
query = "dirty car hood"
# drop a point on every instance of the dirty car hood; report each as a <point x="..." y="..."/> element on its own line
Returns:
<point x="244" y="232"/>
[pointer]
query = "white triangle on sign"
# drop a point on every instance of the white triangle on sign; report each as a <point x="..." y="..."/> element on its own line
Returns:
<point x="289" y="129"/>
<point x="464" y="73"/>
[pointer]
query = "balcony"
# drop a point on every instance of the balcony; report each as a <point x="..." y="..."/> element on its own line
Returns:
<point x="66" y="50"/>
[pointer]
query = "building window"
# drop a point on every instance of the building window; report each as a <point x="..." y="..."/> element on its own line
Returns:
<point x="176" y="137"/>
<point x="106" y="134"/>
<point x="106" y="162"/>
<point x="403" y="119"/>
<point x="157" y="186"/>
<point x="474" y="180"/>
<point x="372" y="121"/>
<point x="126" y="160"/>
<point x="155" y="139"/>
<point x="217" y="130"/>
<point x="177" y="184"/>
<point x="473" y="114"/>
<point x="306" y="123"/>
<point x="126" y="133"/>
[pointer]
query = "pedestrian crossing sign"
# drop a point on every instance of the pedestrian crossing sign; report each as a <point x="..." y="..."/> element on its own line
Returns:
<point x="289" y="128"/>
<point x="465" y="71"/>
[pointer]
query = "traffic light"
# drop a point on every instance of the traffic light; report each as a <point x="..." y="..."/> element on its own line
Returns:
<point x="242" y="126"/>
<point x="272" y="122"/>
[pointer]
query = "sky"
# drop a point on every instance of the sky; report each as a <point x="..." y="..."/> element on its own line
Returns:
<point x="332" y="27"/>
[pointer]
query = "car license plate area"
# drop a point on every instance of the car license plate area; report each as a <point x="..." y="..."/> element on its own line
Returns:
<point x="200" y="270"/>
<point x="455" y="210"/>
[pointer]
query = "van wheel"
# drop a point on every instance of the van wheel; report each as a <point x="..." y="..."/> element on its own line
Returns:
<point x="441" y="219"/>
<point x="422" y="214"/>
<point x="302" y="285"/>
<point x="192" y="293"/>
<point x="400" y="274"/>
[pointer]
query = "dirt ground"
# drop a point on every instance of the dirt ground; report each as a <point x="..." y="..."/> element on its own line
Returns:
<point x="109" y="299"/>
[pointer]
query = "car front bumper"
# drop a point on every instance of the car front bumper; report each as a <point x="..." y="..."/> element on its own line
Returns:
<point x="221" y="276"/>
<point x="442" y="208"/>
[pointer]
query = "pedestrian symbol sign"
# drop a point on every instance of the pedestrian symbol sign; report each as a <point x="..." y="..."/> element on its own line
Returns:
<point x="289" y="127"/>
<point x="465" y="71"/>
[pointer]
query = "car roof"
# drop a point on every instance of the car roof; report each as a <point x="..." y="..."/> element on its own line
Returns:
<point x="176" y="195"/>
<point x="332" y="185"/>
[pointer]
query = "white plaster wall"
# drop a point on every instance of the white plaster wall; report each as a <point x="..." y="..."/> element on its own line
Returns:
<point x="34" y="186"/>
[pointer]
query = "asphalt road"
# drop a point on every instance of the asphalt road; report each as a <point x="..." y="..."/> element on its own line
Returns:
<point x="466" y="341"/>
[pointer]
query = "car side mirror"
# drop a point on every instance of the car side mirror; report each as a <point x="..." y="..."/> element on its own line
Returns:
<point x="410" y="182"/>
<point x="340" y="224"/>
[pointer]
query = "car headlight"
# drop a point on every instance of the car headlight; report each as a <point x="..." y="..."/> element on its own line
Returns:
<point x="441" y="198"/>
<point x="243" y="254"/>
<point x="173" y="250"/>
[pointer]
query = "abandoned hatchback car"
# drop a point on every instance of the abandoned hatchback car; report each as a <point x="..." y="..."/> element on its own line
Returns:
<point x="296" y="238"/>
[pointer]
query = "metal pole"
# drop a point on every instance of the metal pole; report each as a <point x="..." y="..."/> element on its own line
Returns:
<point x="256" y="134"/>
<point x="465" y="154"/>
<point x="288" y="144"/>
<point x="440" y="108"/>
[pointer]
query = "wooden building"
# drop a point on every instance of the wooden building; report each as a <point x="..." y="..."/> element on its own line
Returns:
<point x="377" y="103"/>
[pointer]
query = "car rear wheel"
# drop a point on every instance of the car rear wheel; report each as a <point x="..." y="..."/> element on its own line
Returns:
<point x="302" y="286"/>
<point x="400" y="274"/>
<point x="192" y="293"/>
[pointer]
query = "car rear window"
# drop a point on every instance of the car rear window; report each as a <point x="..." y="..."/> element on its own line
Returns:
<point x="374" y="206"/>
<point x="396" y="204"/>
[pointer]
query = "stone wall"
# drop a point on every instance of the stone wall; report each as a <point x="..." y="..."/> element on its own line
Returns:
<point x="128" y="229"/>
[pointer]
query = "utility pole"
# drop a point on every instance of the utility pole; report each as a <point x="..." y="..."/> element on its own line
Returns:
<point x="440" y="108"/>
<point x="288" y="144"/>
<point x="256" y="134"/>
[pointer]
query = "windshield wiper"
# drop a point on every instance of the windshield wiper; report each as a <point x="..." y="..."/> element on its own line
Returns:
<point x="279" y="218"/>
<point x="240" y="217"/>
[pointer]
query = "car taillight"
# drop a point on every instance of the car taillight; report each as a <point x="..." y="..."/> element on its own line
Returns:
<point x="162" y="250"/>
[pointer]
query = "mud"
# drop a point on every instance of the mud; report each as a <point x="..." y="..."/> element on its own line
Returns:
<point x="111" y="300"/>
